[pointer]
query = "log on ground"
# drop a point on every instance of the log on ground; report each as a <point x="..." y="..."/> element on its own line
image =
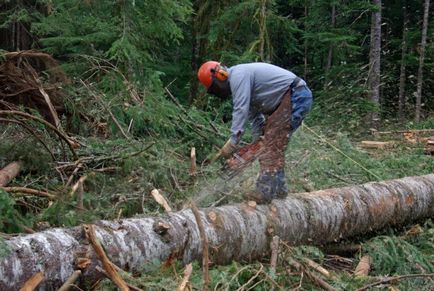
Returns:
<point x="234" y="232"/>
<point x="9" y="172"/>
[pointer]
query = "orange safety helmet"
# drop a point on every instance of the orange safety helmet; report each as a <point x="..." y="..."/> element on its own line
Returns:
<point x="209" y="70"/>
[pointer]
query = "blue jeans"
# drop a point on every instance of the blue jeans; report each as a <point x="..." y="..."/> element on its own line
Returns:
<point x="301" y="99"/>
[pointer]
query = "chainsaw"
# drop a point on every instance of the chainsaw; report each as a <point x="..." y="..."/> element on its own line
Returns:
<point x="241" y="159"/>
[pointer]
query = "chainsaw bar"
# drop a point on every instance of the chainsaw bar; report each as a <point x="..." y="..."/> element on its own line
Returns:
<point x="240" y="160"/>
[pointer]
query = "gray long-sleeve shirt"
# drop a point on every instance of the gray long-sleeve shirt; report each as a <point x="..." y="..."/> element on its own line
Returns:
<point x="257" y="89"/>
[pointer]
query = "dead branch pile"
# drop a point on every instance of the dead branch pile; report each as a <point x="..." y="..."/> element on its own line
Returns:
<point x="32" y="79"/>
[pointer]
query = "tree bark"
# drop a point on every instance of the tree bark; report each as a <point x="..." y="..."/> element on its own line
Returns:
<point x="200" y="28"/>
<point x="305" y="40"/>
<point x="402" y="76"/>
<point x="421" y="62"/>
<point x="374" y="63"/>
<point x="330" y="54"/>
<point x="9" y="172"/>
<point x="234" y="232"/>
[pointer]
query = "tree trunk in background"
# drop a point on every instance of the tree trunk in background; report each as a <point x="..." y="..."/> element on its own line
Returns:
<point x="262" y="23"/>
<point x="421" y="61"/>
<point x="330" y="54"/>
<point x="234" y="232"/>
<point x="374" y="63"/>
<point x="402" y="76"/>
<point x="16" y="36"/>
<point x="305" y="41"/>
<point x="200" y="27"/>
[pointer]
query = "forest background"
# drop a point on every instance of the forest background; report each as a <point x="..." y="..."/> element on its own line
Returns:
<point x="132" y="101"/>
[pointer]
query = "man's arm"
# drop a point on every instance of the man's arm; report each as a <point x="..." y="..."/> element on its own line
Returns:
<point x="241" y="87"/>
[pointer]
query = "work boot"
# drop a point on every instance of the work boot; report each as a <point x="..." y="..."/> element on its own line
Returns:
<point x="269" y="185"/>
<point x="255" y="196"/>
<point x="281" y="189"/>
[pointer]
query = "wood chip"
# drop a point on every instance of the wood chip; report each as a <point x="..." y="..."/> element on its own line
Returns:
<point x="363" y="267"/>
<point x="161" y="200"/>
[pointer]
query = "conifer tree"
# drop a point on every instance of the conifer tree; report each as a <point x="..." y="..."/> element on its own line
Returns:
<point x="421" y="61"/>
<point x="375" y="61"/>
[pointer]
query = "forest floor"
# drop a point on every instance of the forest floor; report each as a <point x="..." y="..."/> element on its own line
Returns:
<point x="117" y="177"/>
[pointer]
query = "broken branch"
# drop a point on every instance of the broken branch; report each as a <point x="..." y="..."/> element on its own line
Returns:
<point x="61" y="135"/>
<point x="29" y="191"/>
<point x="193" y="162"/>
<point x="33" y="282"/>
<point x="274" y="253"/>
<point x="317" y="267"/>
<point x="314" y="278"/>
<point x="108" y="265"/>
<point x="389" y="279"/>
<point x="161" y="200"/>
<point x="68" y="283"/>
<point x="204" y="240"/>
<point x="187" y="273"/>
<point x="101" y="270"/>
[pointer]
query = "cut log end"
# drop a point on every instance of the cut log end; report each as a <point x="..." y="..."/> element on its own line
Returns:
<point x="161" y="227"/>
<point x="363" y="267"/>
<point x="9" y="172"/>
<point x="252" y="204"/>
<point x="212" y="216"/>
<point x="429" y="147"/>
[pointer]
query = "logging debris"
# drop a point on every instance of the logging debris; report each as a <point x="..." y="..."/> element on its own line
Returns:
<point x="131" y="243"/>
<point x="108" y="265"/>
<point x="184" y="283"/>
<point x="161" y="200"/>
<point x="22" y="83"/>
<point x="363" y="267"/>
<point x="311" y="275"/>
<point x="71" y="280"/>
<point x="382" y="145"/>
<point x="29" y="191"/>
<point x="204" y="242"/>
<point x="394" y="279"/>
<point x="429" y="147"/>
<point x="9" y="172"/>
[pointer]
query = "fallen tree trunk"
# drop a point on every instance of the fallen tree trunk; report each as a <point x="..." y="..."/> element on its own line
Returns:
<point x="9" y="172"/>
<point x="234" y="232"/>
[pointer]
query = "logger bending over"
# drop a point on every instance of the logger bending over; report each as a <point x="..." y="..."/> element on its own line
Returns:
<point x="274" y="101"/>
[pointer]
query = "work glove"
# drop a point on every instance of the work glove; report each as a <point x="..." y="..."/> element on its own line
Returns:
<point x="227" y="150"/>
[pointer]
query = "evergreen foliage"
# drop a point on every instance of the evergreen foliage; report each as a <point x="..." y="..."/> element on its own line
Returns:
<point x="134" y="106"/>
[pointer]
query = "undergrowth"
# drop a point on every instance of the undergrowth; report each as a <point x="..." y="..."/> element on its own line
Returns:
<point x="120" y="173"/>
<point x="406" y="252"/>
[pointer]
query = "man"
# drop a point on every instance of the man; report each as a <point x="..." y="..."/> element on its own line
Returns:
<point x="275" y="101"/>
